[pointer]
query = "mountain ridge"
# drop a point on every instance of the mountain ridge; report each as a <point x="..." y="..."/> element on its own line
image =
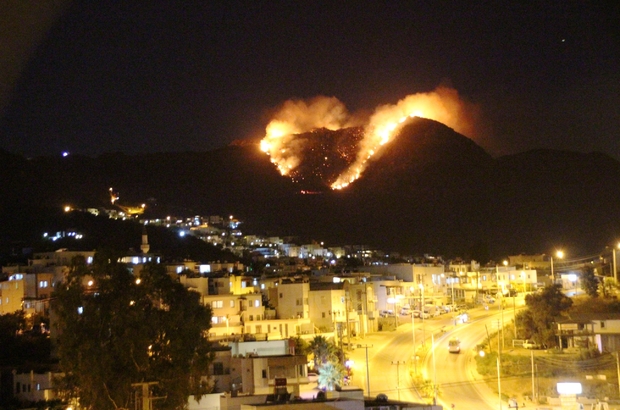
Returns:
<point x="431" y="190"/>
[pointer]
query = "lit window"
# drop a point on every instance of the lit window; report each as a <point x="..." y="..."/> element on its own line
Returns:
<point x="217" y="304"/>
<point x="257" y="303"/>
<point x="43" y="284"/>
<point x="232" y="303"/>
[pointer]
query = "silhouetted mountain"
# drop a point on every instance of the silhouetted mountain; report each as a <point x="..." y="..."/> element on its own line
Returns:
<point x="431" y="190"/>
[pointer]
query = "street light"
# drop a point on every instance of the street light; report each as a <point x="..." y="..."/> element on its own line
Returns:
<point x="559" y="255"/>
<point x="615" y="267"/>
<point x="422" y="315"/>
<point x="415" y="356"/>
<point x="398" y="363"/>
<point x="499" y="377"/>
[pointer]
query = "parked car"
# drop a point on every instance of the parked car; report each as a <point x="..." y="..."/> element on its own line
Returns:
<point x="530" y="344"/>
<point x="386" y="313"/>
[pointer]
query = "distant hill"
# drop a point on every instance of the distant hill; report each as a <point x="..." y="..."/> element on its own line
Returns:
<point x="432" y="190"/>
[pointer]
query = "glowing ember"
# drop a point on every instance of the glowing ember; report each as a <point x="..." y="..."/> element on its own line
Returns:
<point x="288" y="152"/>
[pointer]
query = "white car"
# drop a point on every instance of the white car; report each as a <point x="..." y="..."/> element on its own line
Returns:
<point x="530" y="344"/>
<point x="454" y="345"/>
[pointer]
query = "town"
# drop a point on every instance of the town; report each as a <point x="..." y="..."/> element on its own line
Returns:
<point x="267" y="322"/>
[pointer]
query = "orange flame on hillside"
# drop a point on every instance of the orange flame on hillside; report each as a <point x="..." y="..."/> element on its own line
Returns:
<point x="443" y="105"/>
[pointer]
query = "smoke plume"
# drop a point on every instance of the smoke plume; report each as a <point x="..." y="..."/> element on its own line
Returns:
<point x="296" y="116"/>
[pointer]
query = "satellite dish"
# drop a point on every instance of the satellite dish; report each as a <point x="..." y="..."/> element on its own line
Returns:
<point x="382" y="397"/>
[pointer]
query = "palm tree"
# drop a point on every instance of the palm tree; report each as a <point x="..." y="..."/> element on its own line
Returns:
<point x="331" y="374"/>
<point x="323" y="351"/>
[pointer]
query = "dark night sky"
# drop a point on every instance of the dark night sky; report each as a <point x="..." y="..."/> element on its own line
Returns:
<point x="148" y="76"/>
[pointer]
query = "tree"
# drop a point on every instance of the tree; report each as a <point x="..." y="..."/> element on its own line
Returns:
<point x="323" y="351"/>
<point x="21" y="342"/>
<point x="589" y="282"/>
<point x="301" y="346"/>
<point x="331" y="375"/>
<point x="543" y="310"/>
<point x="116" y="331"/>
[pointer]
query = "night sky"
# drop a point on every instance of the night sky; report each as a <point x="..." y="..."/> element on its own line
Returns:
<point x="156" y="76"/>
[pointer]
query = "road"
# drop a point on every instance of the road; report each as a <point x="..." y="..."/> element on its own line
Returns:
<point x="392" y="363"/>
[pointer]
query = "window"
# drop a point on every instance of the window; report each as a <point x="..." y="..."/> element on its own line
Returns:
<point x="257" y="303"/>
<point x="43" y="284"/>
<point x="251" y="318"/>
<point x="232" y="303"/>
<point x="280" y="295"/>
<point x="323" y="315"/>
<point x="217" y="304"/>
<point x="602" y="324"/>
<point x="264" y="373"/>
<point x="218" y="368"/>
<point x="298" y="302"/>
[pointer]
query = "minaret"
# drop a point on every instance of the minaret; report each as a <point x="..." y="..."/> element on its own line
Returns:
<point x="145" y="241"/>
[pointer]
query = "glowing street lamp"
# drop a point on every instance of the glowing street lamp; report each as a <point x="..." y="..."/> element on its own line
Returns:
<point x="499" y="377"/>
<point x="559" y="255"/>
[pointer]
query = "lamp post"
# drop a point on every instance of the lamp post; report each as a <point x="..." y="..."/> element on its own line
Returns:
<point x="499" y="377"/>
<point x="559" y="255"/>
<point x="398" y="363"/>
<point x="415" y="354"/>
<point x="615" y="264"/>
<point x="422" y="315"/>
<point x="367" y="368"/>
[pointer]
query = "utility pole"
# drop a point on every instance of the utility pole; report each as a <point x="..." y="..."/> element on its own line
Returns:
<point x="499" y="368"/>
<point x="618" y="370"/>
<point x="415" y="353"/>
<point x="398" y="363"/>
<point x="533" y="375"/>
<point x="367" y="369"/>
<point x="346" y="308"/>
<point x="434" y="370"/>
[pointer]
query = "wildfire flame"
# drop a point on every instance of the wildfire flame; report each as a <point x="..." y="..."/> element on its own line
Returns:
<point x="443" y="105"/>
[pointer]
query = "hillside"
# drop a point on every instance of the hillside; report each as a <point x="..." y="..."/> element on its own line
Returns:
<point x="431" y="191"/>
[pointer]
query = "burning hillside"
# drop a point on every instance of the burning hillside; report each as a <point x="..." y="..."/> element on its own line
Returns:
<point x="321" y="143"/>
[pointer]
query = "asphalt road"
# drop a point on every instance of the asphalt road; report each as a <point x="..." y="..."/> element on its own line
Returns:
<point x="392" y="362"/>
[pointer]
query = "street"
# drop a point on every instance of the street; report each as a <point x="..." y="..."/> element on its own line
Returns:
<point x="392" y="363"/>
